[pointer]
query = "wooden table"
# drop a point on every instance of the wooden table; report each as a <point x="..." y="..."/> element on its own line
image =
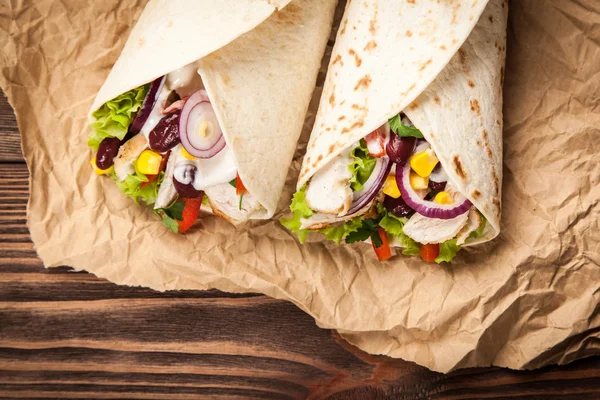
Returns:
<point x="71" y="335"/>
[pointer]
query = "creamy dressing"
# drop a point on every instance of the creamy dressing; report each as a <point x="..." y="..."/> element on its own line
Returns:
<point x="210" y="171"/>
<point x="156" y="114"/>
<point x="185" y="80"/>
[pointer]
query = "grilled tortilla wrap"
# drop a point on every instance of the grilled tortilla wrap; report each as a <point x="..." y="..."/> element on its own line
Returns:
<point x="250" y="56"/>
<point x="440" y="64"/>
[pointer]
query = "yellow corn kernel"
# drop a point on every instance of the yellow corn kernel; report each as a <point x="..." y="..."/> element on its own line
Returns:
<point x="424" y="162"/>
<point x="187" y="155"/>
<point x="390" y="187"/>
<point x="148" y="162"/>
<point x="99" y="171"/>
<point x="443" y="198"/>
<point x="418" y="182"/>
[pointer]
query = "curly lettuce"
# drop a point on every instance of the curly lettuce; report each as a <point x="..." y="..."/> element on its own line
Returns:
<point x="448" y="251"/>
<point x="115" y="116"/>
<point x="361" y="167"/>
<point x="138" y="186"/>
<point x="394" y="226"/>
<point x="301" y="210"/>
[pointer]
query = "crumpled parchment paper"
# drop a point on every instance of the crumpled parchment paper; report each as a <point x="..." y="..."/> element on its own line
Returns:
<point x="527" y="299"/>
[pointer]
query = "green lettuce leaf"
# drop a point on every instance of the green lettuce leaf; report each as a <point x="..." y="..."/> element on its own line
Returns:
<point x="394" y="227"/>
<point x="402" y="130"/>
<point x="448" y="251"/>
<point x="337" y="233"/>
<point x="362" y="166"/>
<point x="479" y="232"/>
<point x="301" y="210"/>
<point x="132" y="186"/>
<point x="115" y="116"/>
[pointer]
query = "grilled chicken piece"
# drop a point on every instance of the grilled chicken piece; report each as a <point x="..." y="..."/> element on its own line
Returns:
<point x="426" y="230"/>
<point x="472" y="225"/>
<point x="128" y="153"/>
<point x="167" y="192"/>
<point x="226" y="204"/>
<point x="329" y="191"/>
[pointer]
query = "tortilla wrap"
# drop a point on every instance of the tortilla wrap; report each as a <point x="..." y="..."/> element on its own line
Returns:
<point x="429" y="60"/>
<point x="259" y="75"/>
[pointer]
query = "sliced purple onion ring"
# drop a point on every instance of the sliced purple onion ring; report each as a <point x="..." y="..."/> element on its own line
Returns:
<point x="147" y="105"/>
<point x="372" y="185"/>
<point x="428" y="208"/>
<point x="196" y="111"/>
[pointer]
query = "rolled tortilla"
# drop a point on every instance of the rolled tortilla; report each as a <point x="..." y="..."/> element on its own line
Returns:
<point x="258" y="62"/>
<point x="430" y="61"/>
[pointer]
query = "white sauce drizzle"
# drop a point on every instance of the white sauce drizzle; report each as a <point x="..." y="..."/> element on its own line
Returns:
<point x="210" y="171"/>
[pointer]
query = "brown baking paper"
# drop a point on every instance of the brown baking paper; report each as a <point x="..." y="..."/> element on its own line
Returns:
<point x="527" y="299"/>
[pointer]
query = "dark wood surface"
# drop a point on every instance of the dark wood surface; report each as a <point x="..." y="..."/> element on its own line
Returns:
<point x="67" y="334"/>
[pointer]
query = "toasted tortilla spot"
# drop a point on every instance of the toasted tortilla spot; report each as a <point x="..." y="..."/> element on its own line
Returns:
<point x="425" y="65"/>
<point x="443" y="47"/>
<point x="414" y="105"/>
<point x="471" y="83"/>
<point x="458" y="167"/>
<point x="356" y="57"/>
<point x="373" y="23"/>
<point x="408" y="33"/>
<point x="141" y="42"/>
<point x="371" y="45"/>
<point x="365" y="81"/>
<point x="331" y="149"/>
<point x="475" y="107"/>
<point x="343" y="117"/>
<point x="476" y="193"/>
<point x="454" y="14"/>
<point x="344" y="25"/>
<point x="436" y="100"/>
<point x="338" y="59"/>
<point x="357" y="124"/>
<point x="410" y="1"/>
<point x="332" y="99"/>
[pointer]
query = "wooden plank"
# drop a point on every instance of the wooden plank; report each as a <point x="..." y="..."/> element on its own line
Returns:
<point x="10" y="150"/>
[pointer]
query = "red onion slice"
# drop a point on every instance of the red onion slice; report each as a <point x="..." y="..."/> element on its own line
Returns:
<point x="147" y="105"/>
<point x="196" y="111"/>
<point x="428" y="208"/>
<point x="372" y="185"/>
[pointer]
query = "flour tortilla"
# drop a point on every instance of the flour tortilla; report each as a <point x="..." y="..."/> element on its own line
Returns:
<point x="429" y="60"/>
<point x="259" y="75"/>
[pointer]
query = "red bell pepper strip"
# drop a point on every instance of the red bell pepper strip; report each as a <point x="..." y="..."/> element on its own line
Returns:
<point x="429" y="252"/>
<point x="239" y="186"/>
<point x="383" y="252"/>
<point x="190" y="213"/>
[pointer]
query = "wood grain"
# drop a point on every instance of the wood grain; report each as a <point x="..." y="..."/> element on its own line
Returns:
<point x="66" y="334"/>
<point x="10" y="145"/>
